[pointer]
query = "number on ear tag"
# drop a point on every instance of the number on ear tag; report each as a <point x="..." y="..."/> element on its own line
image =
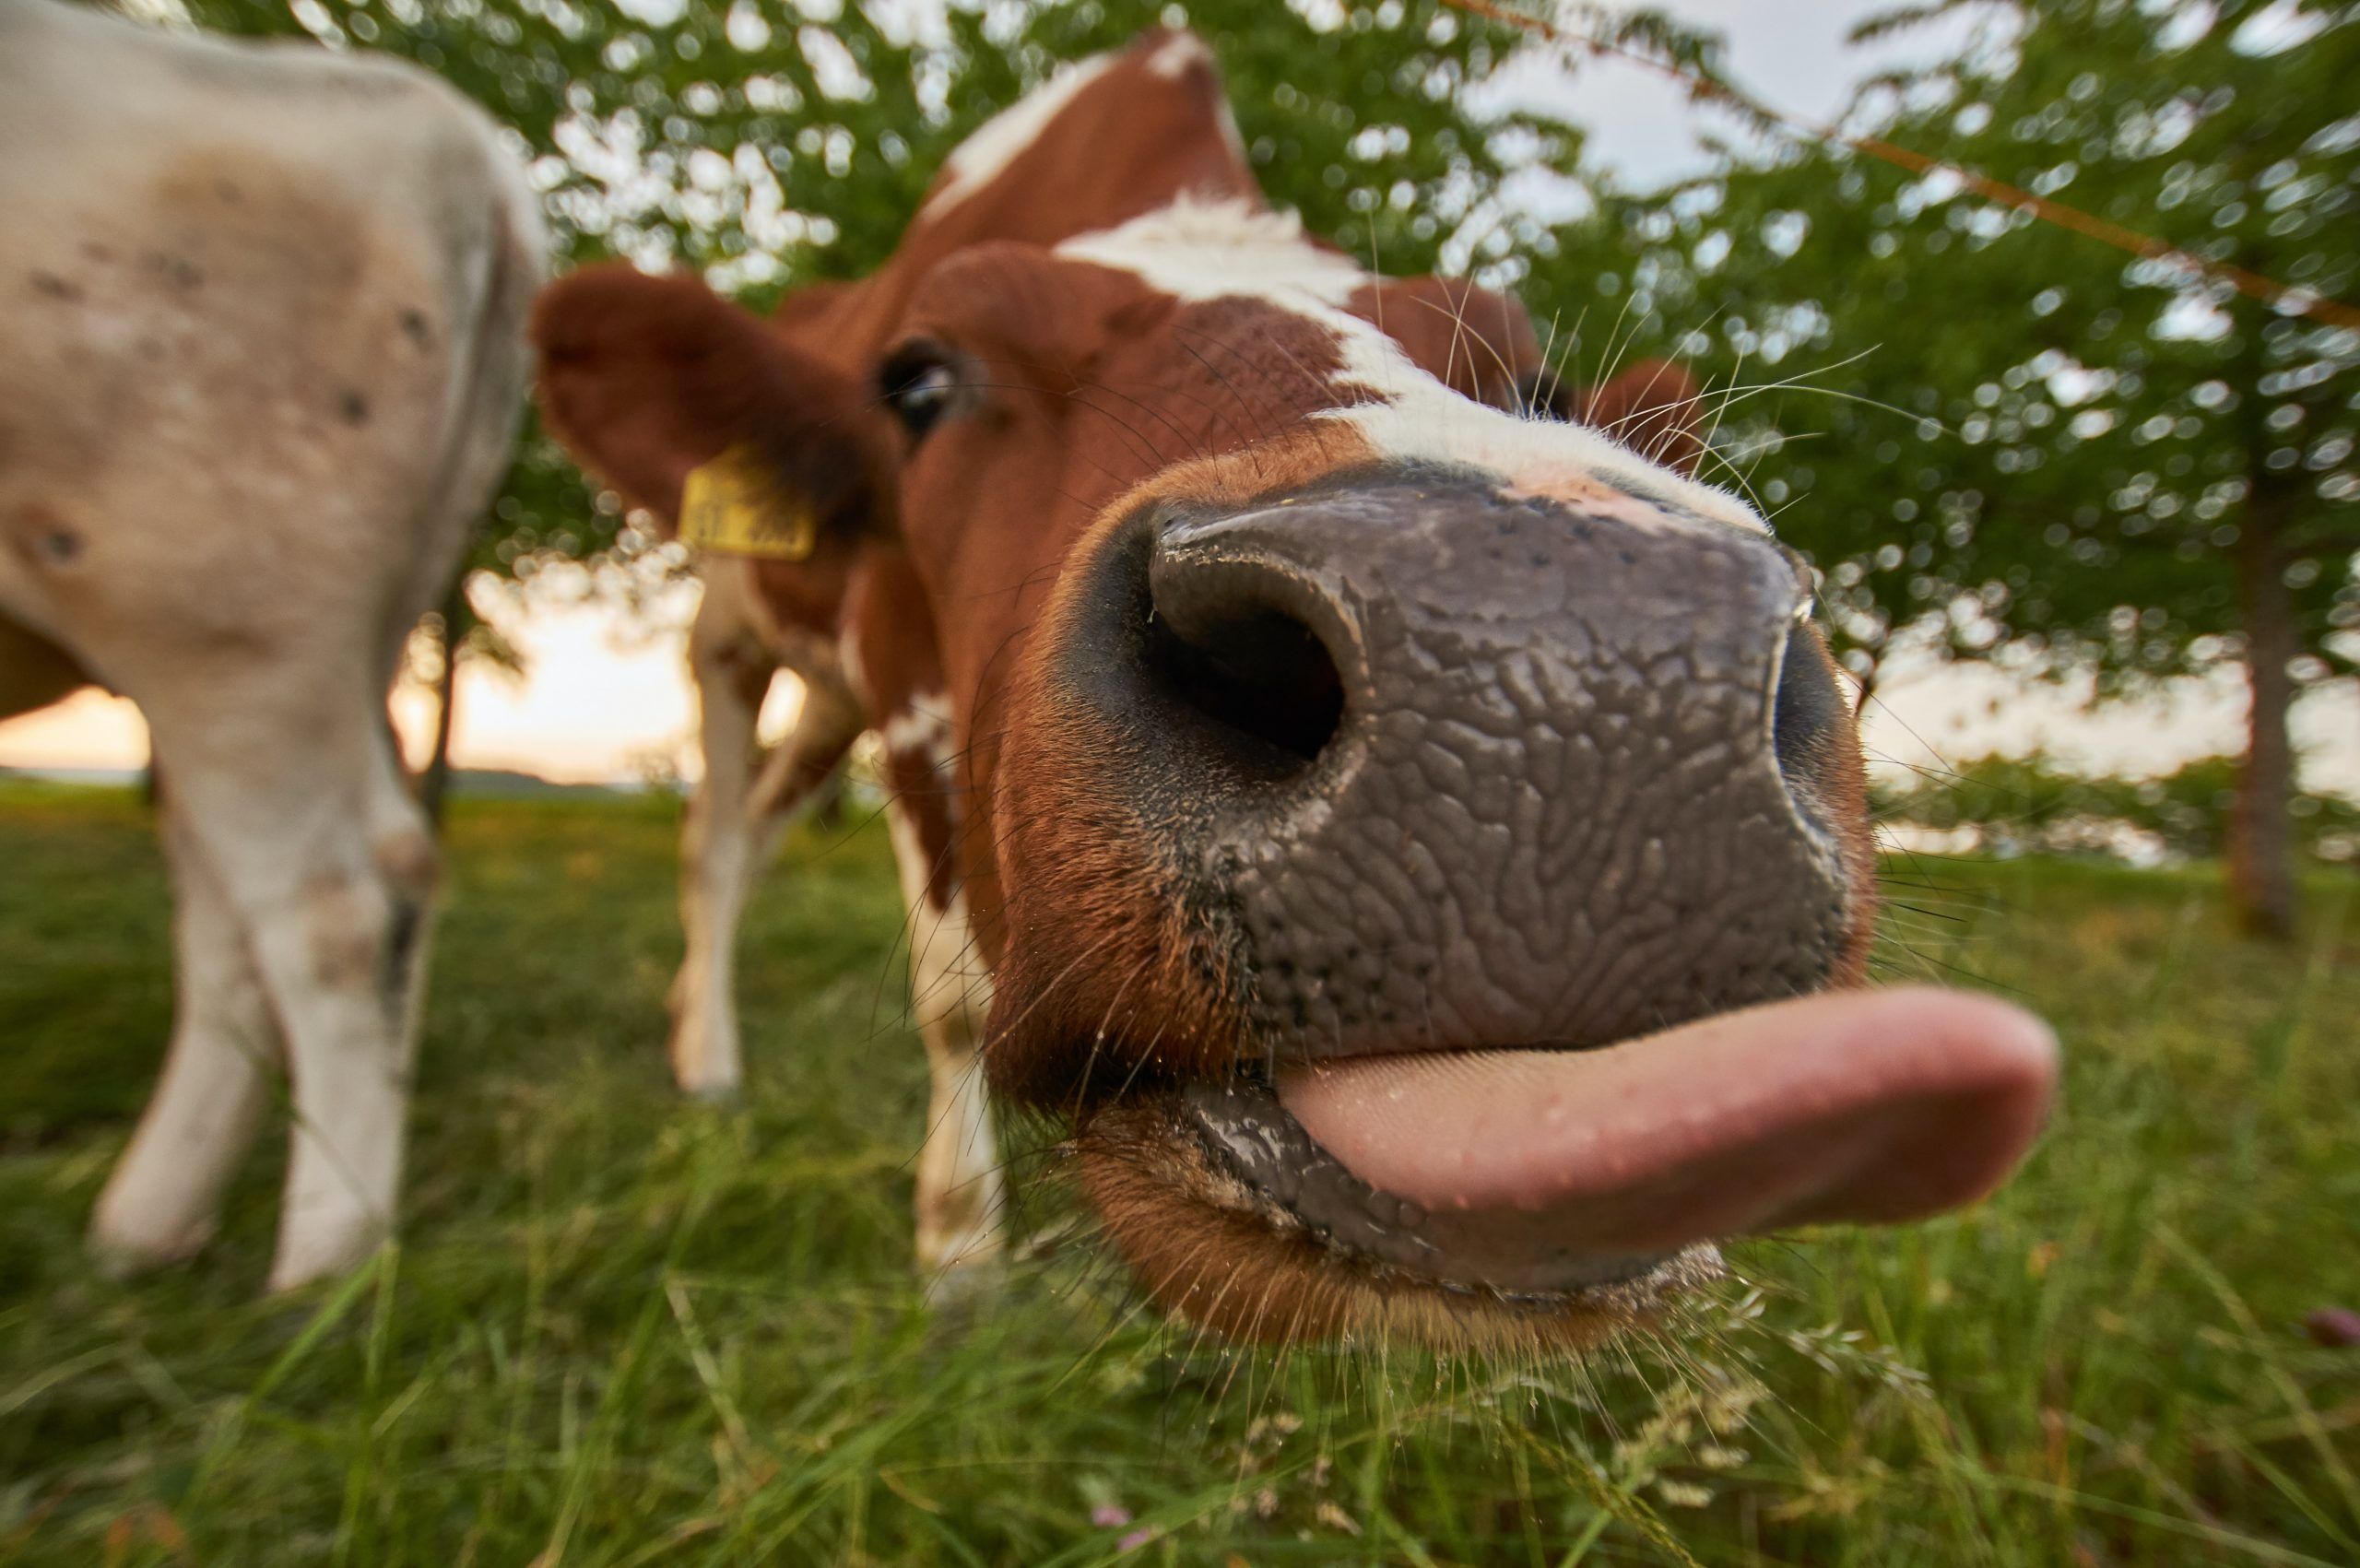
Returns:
<point x="730" y="506"/>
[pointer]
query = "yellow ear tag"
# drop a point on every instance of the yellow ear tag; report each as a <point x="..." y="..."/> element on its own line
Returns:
<point x="730" y="505"/>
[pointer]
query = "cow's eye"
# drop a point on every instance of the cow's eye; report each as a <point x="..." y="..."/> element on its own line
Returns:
<point x="918" y="382"/>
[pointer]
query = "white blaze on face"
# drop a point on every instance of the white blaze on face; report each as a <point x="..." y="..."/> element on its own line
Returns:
<point x="1001" y="140"/>
<point x="1176" y="55"/>
<point x="1198" y="252"/>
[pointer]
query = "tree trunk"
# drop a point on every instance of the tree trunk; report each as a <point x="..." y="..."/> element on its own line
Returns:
<point x="2261" y="870"/>
<point x="434" y="784"/>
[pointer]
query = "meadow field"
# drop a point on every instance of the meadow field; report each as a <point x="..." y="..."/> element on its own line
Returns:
<point x="621" y="1328"/>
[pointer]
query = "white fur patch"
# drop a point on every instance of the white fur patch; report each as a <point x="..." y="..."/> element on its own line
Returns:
<point x="959" y="1186"/>
<point x="945" y="968"/>
<point x="921" y="729"/>
<point x="1177" y="54"/>
<point x="1001" y="140"/>
<point x="1197" y="250"/>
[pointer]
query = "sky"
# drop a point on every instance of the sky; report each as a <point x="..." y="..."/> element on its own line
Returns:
<point x="606" y="696"/>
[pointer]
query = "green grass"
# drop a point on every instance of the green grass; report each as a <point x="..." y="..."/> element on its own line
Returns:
<point x="626" y="1329"/>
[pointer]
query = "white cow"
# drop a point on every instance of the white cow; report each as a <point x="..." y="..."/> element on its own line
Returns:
<point x="261" y="351"/>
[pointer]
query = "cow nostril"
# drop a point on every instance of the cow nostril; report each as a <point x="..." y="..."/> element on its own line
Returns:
<point x="1256" y="671"/>
<point x="1806" y="714"/>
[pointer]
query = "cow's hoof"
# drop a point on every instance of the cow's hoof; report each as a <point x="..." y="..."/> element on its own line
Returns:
<point x="704" y="1065"/>
<point x="302" y="1260"/>
<point x="120" y="1256"/>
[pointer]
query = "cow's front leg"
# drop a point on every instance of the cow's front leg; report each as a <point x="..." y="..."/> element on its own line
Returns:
<point x="733" y="831"/>
<point x="327" y="861"/>
<point x="960" y="1191"/>
<point x="733" y="673"/>
<point x="350" y="1000"/>
<point x="163" y="1199"/>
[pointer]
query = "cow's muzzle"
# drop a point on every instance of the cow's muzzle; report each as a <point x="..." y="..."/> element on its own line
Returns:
<point x="1457" y="768"/>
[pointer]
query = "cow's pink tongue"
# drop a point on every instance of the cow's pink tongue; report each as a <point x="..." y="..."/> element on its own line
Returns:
<point x="1860" y="1105"/>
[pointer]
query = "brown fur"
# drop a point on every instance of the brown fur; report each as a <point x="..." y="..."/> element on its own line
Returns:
<point x="1655" y="408"/>
<point x="1479" y="344"/>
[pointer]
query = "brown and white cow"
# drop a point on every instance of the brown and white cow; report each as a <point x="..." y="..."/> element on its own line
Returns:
<point x="260" y="367"/>
<point x="1417" y="840"/>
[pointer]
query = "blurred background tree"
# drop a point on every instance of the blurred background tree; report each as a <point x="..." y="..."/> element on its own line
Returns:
<point x="2012" y="805"/>
<point x="2014" y="443"/>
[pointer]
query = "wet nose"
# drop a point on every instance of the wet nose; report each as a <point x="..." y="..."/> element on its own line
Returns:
<point x="1458" y="767"/>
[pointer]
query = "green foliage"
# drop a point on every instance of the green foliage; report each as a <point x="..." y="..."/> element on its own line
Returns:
<point x="2030" y="806"/>
<point x="2018" y="438"/>
<point x="624" y="1328"/>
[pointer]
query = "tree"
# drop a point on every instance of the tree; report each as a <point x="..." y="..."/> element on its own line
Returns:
<point x="2032" y="806"/>
<point x="2024" y="445"/>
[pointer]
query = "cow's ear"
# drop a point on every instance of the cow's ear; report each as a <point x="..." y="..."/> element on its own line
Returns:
<point x="645" y="379"/>
<point x="1478" y="343"/>
<point x="1655" y="408"/>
